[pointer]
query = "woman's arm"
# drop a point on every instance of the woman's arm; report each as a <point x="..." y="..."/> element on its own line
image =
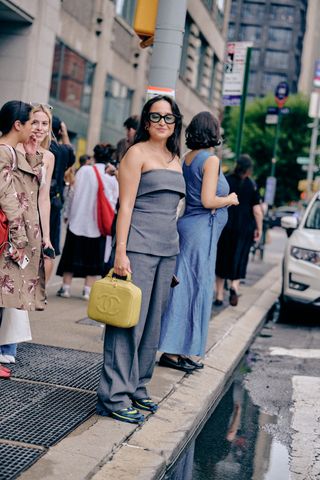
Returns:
<point x="129" y="178"/>
<point x="258" y="216"/>
<point x="209" y="198"/>
<point x="44" y="199"/>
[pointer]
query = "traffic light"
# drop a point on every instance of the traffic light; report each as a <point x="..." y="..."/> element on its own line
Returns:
<point x="145" y="21"/>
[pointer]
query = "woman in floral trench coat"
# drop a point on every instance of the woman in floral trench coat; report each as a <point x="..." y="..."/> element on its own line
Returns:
<point x="20" y="177"/>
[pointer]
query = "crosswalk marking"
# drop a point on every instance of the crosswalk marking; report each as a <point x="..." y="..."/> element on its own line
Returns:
<point x="295" y="352"/>
<point x="305" y="450"/>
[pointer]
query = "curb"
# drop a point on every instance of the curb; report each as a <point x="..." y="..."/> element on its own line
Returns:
<point x="101" y="448"/>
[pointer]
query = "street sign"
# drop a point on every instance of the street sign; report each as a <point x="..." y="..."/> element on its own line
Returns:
<point x="234" y="68"/>
<point x="272" y="116"/>
<point x="281" y="93"/>
<point x="270" y="190"/>
<point x="316" y="78"/>
<point x="303" y="160"/>
<point x="314" y="168"/>
<point x="271" y="119"/>
<point x="314" y="105"/>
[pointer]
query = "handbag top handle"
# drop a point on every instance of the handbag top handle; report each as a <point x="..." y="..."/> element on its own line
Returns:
<point x="111" y="272"/>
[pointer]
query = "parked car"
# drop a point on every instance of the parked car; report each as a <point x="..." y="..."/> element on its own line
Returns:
<point x="280" y="212"/>
<point x="301" y="264"/>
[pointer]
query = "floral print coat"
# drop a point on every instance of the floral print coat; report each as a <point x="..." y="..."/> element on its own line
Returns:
<point x="20" y="177"/>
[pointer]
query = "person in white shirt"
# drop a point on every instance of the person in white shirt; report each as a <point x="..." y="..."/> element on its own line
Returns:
<point x="84" y="248"/>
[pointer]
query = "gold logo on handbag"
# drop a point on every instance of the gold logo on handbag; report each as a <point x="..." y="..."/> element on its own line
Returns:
<point x="115" y="302"/>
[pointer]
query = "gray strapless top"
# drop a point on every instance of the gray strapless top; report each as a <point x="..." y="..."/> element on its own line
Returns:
<point x="153" y="227"/>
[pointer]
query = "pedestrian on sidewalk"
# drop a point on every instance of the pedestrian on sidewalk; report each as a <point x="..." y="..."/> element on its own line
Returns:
<point x="16" y="325"/>
<point x="131" y="125"/>
<point x="20" y="174"/>
<point x="41" y="128"/>
<point x="84" y="248"/>
<point x="244" y="227"/>
<point x="64" y="158"/>
<point x="184" y="324"/>
<point x="151" y="186"/>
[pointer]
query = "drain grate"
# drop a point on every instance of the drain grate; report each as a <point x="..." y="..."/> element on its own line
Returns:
<point x="59" y="366"/>
<point x="14" y="459"/>
<point x="41" y="414"/>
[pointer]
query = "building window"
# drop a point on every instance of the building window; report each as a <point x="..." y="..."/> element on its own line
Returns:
<point x="277" y="59"/>
<point x="231" y="32"/>
<point x="198" y="61"/>
<point x="271" y="80"/>
<point x="234" y="8"/>
<point x="280" y="36"/>
<point x="208" y="4"/>
<point x="255" y="57"/>
<point x="252" y="82"/>
<point x="117" y="103"/>
<point x="220" y="5"/>
<point x="252" y="11"/>
<point x="282" y="13"/>
<point x="250" y="33"/>
<point x="126" y="10"/>
<point x="72" y="78"/>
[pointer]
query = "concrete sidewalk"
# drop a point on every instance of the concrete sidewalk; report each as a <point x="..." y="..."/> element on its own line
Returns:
<point x="102" y="448"/>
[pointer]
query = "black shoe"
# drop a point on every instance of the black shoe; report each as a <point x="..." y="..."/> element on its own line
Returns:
<point x="179" y="364"/>
<point x="218" y="303"/>
<point x="233" y="298"/>
<point x="197" y="365"/>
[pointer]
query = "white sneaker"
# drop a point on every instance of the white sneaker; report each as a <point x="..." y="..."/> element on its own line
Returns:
<point x="85" y="296"/>
<point x="63" y="293"/>
<point x="5" y="358"/>
<point x="10" y="358"/>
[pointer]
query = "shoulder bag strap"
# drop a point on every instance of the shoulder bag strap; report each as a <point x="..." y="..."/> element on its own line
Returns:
<point x="100" y="184"/>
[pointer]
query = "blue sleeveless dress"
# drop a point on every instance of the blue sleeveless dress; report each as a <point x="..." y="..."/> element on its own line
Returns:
<point x="184" y="325"/>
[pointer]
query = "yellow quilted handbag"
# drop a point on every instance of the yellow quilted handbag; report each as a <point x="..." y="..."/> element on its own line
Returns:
<point x="115" y="302"/>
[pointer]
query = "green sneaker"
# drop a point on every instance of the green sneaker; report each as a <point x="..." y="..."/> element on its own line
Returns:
<point x="128" y="415"/>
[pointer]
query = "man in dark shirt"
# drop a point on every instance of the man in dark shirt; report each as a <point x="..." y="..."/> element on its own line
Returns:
<point x="64" y="159"/>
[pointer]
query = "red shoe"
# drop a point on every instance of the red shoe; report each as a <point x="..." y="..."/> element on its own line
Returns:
<point x="5" y="372"/>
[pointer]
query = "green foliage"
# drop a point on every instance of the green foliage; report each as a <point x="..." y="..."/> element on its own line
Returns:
<point x="258" y="141"/>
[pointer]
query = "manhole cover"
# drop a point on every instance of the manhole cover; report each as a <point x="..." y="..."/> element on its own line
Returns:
<point x="41" y="414"/>
<point x="14" y="459"/>
<point x="59" y="366"/>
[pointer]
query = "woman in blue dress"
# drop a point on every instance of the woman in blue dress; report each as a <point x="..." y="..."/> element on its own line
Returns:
<point x="184" y="324"/>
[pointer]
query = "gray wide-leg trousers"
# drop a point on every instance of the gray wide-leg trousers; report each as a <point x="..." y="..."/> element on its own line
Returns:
<point x="130" y="353"/>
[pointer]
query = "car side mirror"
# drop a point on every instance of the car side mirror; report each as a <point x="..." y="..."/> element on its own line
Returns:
<point x="289" y="223"/>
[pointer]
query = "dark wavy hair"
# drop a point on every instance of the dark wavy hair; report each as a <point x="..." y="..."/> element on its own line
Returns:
<point x="203" y="132"/>
<point x="11" y="112"/>
<point x="142" y="134"/>
<point x="103" y="153"/>
<point x="243" y="165"/>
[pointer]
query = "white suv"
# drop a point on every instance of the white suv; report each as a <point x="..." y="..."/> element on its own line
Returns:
<point x="301" y="264"/>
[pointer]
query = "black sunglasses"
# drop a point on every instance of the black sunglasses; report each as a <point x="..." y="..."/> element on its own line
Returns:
<point x="155" y="117"/>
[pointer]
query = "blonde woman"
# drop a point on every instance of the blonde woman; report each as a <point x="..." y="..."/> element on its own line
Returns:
<point x="41" y="128"/>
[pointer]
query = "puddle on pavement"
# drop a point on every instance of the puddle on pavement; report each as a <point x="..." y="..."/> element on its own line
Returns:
<point x="235" y="444"/>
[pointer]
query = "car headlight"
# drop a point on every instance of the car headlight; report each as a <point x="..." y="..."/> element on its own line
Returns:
<point x="312" y="256"/>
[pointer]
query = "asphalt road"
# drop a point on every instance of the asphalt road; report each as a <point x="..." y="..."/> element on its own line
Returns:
<point x="285" y="383"/>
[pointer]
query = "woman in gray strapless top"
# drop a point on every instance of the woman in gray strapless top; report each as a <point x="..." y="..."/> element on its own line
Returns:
<point x="147" y="243"/>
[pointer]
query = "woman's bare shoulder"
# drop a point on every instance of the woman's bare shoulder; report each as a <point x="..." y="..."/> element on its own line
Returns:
<point x="212" y="160"/>
<point x="134" y="155"/>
